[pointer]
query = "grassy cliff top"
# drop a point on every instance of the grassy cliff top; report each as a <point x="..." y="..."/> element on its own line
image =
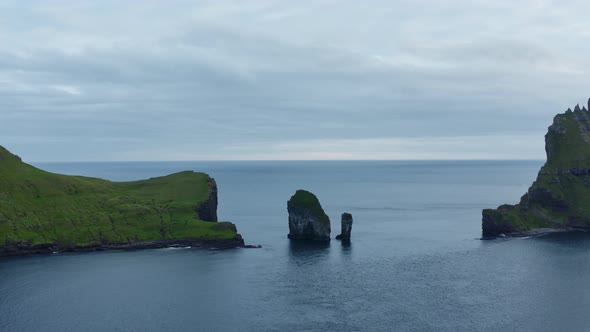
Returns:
<point x="38" y="207"/>
<point x="305" y="199"/>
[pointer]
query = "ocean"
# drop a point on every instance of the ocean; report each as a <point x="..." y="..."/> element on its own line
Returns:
<point x="415" y="262"/>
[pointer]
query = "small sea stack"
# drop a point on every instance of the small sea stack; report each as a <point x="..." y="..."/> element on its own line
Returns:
<point x="307" y="219"/>
<point x="346" y="229"/>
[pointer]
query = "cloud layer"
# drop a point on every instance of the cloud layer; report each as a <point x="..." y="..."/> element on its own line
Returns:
<point x="261" y="79"/>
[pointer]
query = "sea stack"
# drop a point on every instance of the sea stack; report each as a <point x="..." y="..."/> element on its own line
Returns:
<point x="307" y="219"/>
<point x="346" y="227"/>
<point x="559" y="199"/>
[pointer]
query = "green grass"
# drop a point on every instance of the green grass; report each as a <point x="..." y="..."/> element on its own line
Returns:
<point x="38" y="207"/>
<point x="567" y="141"/>
<point x="305" y="199"/>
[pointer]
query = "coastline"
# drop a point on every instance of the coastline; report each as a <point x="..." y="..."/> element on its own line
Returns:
<point x="23" y="249"/>
<point x="539" y="232"/>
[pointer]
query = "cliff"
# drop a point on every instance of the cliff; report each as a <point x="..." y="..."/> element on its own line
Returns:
<point x="42" y="212"/>
<point x="307" y="219"/>
<point x="207" y="210"/>
<point x="559" y="199"/>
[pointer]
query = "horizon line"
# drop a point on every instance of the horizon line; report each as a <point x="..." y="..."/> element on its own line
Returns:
<point x="270" y="160"/>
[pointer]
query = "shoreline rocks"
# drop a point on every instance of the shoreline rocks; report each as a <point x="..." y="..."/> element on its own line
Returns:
<point x="536" y="232"/>
<point x="23" y="249"/>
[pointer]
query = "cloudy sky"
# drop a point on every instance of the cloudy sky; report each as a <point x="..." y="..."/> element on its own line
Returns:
<point x="263" y="79"/>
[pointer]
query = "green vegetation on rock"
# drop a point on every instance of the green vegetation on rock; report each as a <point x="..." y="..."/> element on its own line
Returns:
<point x="307" y="219"/>
<point x="38" y="208"/>
<point x="560" y="196"/>
<point x="305" y="199"/>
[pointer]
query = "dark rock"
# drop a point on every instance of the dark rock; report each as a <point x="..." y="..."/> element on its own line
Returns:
<point x="495" y="222"/>
<point x="577" y="108"/>
<point x="207" y="211"/>
<point x="307" y="219"/>
<point x="25" y="248"/>
<point x="346" y="227"/>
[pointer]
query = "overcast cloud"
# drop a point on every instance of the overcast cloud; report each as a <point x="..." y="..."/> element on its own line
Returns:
<point x="261" y="79"/>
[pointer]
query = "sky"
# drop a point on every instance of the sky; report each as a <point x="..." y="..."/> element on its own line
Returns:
<point x="116" y="80"/>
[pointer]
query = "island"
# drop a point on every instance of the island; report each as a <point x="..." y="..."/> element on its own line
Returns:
<point x="43" y="212"/>
<point x="559" y="199"/>
<point x="307" y="219"/>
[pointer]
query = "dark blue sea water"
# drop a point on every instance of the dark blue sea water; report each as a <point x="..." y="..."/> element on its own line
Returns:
<point x="414" y="264"/>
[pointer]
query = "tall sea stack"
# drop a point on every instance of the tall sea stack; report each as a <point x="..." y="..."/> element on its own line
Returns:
<point x="560" y="196"/>
<point x="307" y="219"/>
<point x="346" y="227"/>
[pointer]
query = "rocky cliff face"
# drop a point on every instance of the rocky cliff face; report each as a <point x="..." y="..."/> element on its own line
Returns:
<point x="307" y="219"/>
<point x="560" y="196"/>
<point x="207" y="211"/>
<point x="346" y="227"/>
